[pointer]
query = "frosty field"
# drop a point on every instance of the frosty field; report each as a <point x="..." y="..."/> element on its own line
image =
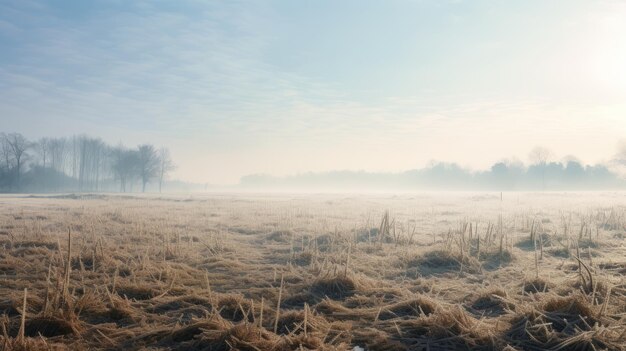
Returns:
<point x="424" y="271"/>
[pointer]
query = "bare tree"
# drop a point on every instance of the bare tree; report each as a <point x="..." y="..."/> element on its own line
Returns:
<point x="124" y="165"/>
<point x="74" y="152"/>
<point x="6" y="152"/>
<point x="540" y="156"/>
<point x="58" y="153"/>
<point x="17" y="145"/>
<point x="148" y="164"/>
<point x="92" y="155"/>
<point x="166" y="165"/>
<point x="42" y="147"/>
<point x="82" y="151"/>
<point x="80" y="162"/>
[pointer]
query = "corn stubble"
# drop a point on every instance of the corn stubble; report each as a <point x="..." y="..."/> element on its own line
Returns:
<point x="312" y="273"/>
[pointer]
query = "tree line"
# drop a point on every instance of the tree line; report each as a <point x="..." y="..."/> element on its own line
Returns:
<point x="79" y="163"/>
<point x="542" y="172"/>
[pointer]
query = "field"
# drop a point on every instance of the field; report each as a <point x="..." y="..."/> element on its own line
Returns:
<point x="428" y="271"/>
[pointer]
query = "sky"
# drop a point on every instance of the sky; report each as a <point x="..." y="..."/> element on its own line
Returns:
<point x="282" y="87"/>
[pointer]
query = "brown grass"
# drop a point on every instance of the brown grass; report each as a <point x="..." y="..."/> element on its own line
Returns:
<point x="418" y="272"/>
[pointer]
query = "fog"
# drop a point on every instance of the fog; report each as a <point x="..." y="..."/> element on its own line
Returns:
<point x="87" y="164"/>
<point x="448" y="177"/>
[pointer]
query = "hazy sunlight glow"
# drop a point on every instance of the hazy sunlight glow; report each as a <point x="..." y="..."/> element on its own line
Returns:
<point x="237" y="88"/>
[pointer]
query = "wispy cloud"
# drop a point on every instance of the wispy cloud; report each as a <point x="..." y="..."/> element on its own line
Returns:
<point x="207" y="79"/>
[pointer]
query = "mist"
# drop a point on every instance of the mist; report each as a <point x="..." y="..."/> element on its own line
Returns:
<point x="87" y="164"/>
<point x="554" y="176"/>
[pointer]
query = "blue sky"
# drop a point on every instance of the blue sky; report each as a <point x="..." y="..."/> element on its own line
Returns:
<point x="281" y="87"/>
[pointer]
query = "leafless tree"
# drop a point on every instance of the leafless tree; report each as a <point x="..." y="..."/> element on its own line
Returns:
<point x="42" y="147"/>
<point x="58" y="153"/>
<point x="148" y="164"/>
<point x="166" y="165"/>
<point x="124" y="164"/>
<point x="540" y="156"/>
<point x="74" y="153"/>
<point x="5" y="152"/>
<point x="91" y="157"/>
<point x="17" y="146"/>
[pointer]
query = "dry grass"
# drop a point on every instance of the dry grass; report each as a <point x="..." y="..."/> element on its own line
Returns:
<point x="422" y="272"/>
